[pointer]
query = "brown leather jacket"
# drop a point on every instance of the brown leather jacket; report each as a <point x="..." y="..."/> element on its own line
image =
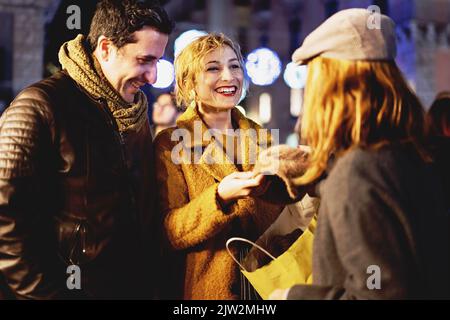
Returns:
<point x="73" y="190"/>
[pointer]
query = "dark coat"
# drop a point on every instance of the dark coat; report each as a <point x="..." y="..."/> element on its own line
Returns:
<point x="73" y="190"/>
<point x="440" y="147"/>
<point x="380" y="208"/>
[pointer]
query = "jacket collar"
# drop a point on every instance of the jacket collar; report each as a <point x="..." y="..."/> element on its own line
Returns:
<point x="213" y="157"/>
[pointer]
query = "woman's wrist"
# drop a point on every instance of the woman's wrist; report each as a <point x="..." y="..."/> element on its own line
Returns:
<point x="224" y="203"/>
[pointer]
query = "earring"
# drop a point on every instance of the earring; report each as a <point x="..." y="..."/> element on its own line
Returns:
<point x="192" y="97"/>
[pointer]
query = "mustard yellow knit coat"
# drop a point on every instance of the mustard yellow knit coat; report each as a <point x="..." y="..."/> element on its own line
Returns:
<point x="195" y="226"/>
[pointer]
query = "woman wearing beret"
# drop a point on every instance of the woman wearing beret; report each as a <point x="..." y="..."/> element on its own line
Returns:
<point x="382" y="232"/>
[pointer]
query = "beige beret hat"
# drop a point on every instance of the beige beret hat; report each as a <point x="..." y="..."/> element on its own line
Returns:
<point x="352" y="34"/>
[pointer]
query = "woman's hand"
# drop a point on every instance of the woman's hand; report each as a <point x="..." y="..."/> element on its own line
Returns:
<point x="279" y="294"/>
<point x="240" y="185"/>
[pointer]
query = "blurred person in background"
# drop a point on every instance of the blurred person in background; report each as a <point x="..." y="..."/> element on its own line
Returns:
<point x="164" y="114"/>
<point x="439" y="135"/>
<point x="439" y="115"/>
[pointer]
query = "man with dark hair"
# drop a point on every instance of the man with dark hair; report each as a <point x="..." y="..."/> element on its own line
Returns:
<point x="76" y="177"/>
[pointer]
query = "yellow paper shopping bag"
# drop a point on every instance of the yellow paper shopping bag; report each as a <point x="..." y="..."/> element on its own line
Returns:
<point x="292" y="267"/>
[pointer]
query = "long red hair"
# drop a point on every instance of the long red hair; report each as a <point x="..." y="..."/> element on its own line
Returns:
<point x="357" y="104"/>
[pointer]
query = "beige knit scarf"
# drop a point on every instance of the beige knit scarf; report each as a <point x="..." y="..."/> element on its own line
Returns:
<point x="84" y="68"/>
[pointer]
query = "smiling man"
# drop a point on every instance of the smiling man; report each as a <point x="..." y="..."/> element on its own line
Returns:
<point x="76" y="173"/>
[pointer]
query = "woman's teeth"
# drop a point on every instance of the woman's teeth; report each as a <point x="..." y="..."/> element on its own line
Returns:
<point x="228" y="90"/>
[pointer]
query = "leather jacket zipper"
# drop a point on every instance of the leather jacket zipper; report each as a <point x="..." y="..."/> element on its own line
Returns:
<point x="121" y="140"/>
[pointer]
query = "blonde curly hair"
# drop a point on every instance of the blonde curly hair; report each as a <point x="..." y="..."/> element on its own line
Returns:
<point x="189" y="63"/>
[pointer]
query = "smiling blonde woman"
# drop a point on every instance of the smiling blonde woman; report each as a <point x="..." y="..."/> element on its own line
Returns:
<point x="203" y="203"/>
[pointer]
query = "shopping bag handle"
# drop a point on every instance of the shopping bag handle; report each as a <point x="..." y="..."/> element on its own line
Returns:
<point x="257" y="246"/>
